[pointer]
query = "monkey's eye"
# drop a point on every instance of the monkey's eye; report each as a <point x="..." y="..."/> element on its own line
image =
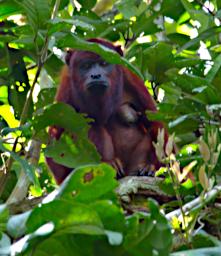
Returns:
<point x="104" y="63"/>
<point x="85" y="65"/>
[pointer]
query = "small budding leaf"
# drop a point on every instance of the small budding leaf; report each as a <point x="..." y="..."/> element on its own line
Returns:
<point x="204" y="181"/>
<point x="176" y="169"/>
<point x="159" y="151"/>
<point x="187" y="169"/>
<point x="169" y="146"/>
<point x="212" y="139"/>
<point x="214" y="159"/>
<point x="204" y="150"/>
<point x="159" y="146"/>
<point x="160" y="137"/>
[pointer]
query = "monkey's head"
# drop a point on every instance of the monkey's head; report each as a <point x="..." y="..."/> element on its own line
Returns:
<point x="94" y="75"/>
<point x="96" y="84"/>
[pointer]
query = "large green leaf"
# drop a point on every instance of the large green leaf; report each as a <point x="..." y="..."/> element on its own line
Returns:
<point x="159" y="58"/>
<point x="59" y="24"/>
<point x="207" y="34"/>
<point x="18" y="83"/>
<point x="37" y="11"/>
<point x="89" y="183"/>
<point x="109" y="55"/>
<point x="151" y="236"/>
<point x="73" y="153"/>
<point x="64" y="214"/>
<point x="8" y="8"/>
<point x="195" y="87"/>
<point x="198" y="15"/>
<point x="62" y="115"/>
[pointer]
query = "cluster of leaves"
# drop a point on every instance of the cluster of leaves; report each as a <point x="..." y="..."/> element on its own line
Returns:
<point x="84" y="218"/>
<point x="175" y="47"/>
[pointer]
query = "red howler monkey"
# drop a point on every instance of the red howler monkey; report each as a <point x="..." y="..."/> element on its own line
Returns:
<point x="116" y="99"/>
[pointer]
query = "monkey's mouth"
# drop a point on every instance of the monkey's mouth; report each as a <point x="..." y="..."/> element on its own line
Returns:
<point x="97" y="86"/>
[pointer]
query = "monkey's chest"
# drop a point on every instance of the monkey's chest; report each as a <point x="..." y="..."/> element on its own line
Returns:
<point x="125" y="139"/>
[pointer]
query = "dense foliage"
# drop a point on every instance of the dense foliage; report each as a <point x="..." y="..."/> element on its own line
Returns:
<point x="175" y="46"/>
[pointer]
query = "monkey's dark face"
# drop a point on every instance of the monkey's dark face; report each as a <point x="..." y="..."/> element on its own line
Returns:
<point x="96" y="85"/>
<point x="94" y="75"/>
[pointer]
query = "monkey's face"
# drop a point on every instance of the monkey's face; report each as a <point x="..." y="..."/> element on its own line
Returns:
<point x="93" y="75"/>
<point x="96" y="85"/>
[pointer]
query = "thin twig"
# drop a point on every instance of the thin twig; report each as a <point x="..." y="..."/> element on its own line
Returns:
<point x="197" y="203"/>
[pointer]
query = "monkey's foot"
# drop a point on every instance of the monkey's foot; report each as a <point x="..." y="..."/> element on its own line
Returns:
<point x="148" y="170"/>
<point x="118" y="166"/>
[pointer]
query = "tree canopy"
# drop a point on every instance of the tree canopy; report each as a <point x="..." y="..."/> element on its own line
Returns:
<point x="175" y="47"/>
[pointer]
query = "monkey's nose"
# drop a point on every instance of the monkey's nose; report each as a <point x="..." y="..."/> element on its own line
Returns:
<point x="96" y="76"/>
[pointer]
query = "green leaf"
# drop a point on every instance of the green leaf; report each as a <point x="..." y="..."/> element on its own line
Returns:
<point x="161" y="58"/>
<point x="180" y="120"/>
<point x="172" y="94"/>
<point x="178" y="38"/>
<point x="7" y="38"/>
<point x="4" y="214"/>
<point x="58" y="23"/>
<point x="19" y="83"/>
<point x="161" y="230"/>
<point x="186" y="82"/>
<point x="195" y="87"/>
<point x="71" y="153"/>
<point x="45" y="97"/>
<point x="108" y="211"/>
<point x="145" y="23"/>
<point x="198" y="15"/>
<point x="37" y="11"/>
<point x="203" y="239"/>
<point x="171" y="8"/>
<point x="89" y="183"/>
<point x="23" y="128"/>
<point x="182" y="63"/>
<point x="114" y="238"/>
<point x="136" y="232"/>
<point x="215" y="68"/>
<point x="128" y="8"/>
<point x="76" y="217"/>
<point x="62" y="115"/>
<point x="5" y="243"/>
<point x="150" y="237"/>
<point x="101" y="27"/>
<point x="211" y="32"/>
<point x="17" y="224"/>
<point x="8" y="8"/>
<point x="64" y="245"/>
<point x="26" y="166"/>
<point x="87" y="4"/>
<point x="109" y="55"/>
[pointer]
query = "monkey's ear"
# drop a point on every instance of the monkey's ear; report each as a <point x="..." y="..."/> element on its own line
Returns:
<point x="68" y="56"/>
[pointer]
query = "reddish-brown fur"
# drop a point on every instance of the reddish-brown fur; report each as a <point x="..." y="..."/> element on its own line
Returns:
<point x="120" y="131"/>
